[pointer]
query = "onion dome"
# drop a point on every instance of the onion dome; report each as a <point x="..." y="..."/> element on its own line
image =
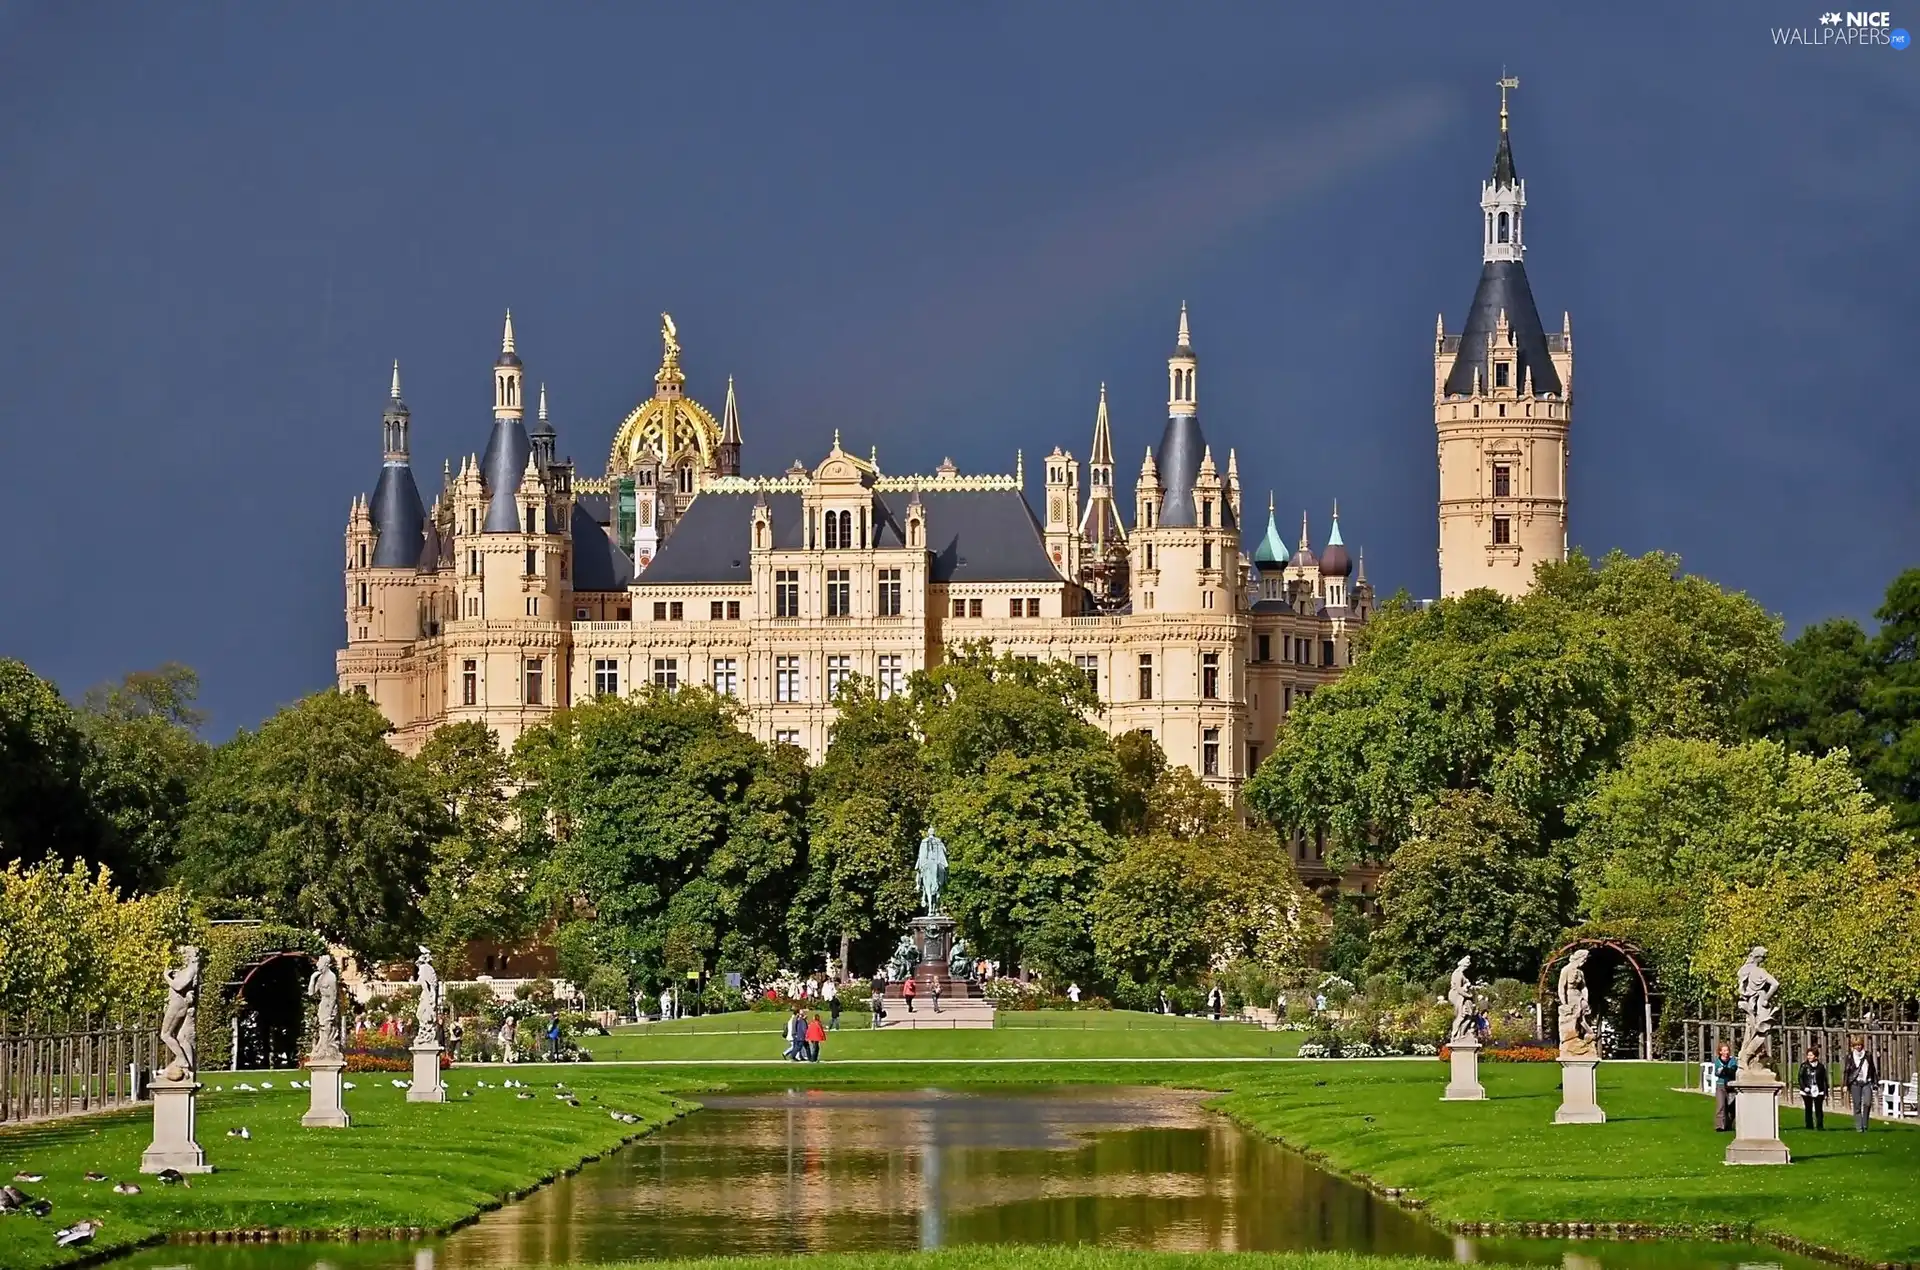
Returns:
<point x="1335" y="563"/>
<point x="1271" y="553"/>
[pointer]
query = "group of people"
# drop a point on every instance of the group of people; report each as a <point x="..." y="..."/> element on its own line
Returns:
<point x="1859" y="1076"/>
<point x="804" y="1033"/>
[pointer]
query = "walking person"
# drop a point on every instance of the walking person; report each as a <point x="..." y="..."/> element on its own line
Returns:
<point x="1214" y="1002"/>
<point x="506" y="1041"/>
<point x="813" y="1036"/>
<point x="553" y="1038"/>
<point x="1813" y="1089"/>
<point x="1073" y="993"/>
<point x="794" y="1032"/>
<point x="1862" y="1075"/>
<point x="1166" y="1006"/>
<point x="907" y="991"/>
<point x="878" y="1001"/>
<point x="833" y="1012"/>
<point x="935" y="993"/>
<point x="1725" y="1068"/>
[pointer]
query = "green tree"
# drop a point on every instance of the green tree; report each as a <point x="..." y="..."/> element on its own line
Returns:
<point x="146" y="756"/>
<point x="677" y="831"/>
<point x="1894" y="701"/>
<point x="45" y="811"/>
<point x="319" y="823"/>
<point x="480" y="882"/>
<point x="1475" y="880"/>
<point x="1682" y="819"/>
<point x="70" y="943"/>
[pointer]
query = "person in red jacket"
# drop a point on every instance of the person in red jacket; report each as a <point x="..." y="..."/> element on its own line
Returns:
<point x="907" y="989"/>
<point x="815" y="1034"/>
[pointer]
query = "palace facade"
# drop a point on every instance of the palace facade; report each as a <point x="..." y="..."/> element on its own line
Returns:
<point x="526" y="587"/>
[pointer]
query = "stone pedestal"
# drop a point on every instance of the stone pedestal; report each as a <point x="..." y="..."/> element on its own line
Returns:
<point x="1465" y="1084"/>
<point x="324" y="1109"/>
<point x="426" y="1085"/>
<point x="1579" y="1092"/>
<point x="1756" y="1119"/>
<point x="933" y="936"/>
<point x="174" y="1113"/>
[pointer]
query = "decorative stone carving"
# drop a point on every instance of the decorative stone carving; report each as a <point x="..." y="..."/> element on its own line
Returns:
<point x="427" y="1008"/>
<point x="324" y="986"/>
<point x="1757" y="988"/>
<point x="1756" y="1090"/>
<point x="176" y="1023"/>
<point x="930" y="870"/>
<point x="1576" y="1010"/>
<point x="1465" y="998"/>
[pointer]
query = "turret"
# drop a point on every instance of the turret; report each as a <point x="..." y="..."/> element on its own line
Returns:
<point x="728" y="458"/>
<point x="1062" y="500"/>
<point x="543" y="435"/>
<point x="509" y="446"/>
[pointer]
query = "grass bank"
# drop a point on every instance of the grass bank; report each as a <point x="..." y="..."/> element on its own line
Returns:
<point x="1656" y="1162"/>
<point x="402" y="1165"/>
<point x="1047" y="1258"/>
<point x="1023" y="1034"/>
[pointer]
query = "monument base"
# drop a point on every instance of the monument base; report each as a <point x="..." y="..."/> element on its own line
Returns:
<point x="1464" y="1086"/>
<point x="324" y="1109"/>
<point x="1756" y="1119"/>
<point x="1579" y="1092"/>
<point x="174" y="1115"/>
<point x="426" y="1085"/>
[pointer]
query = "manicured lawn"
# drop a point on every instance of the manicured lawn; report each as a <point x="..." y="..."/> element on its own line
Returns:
<point x="1043" y="1258"/>
<point x="401" y="1164"/>
<point x="1656" y="1161"/>
<point x="1023" y="1034"/>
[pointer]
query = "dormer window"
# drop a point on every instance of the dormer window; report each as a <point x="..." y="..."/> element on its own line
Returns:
<point x="1502" y="374"/>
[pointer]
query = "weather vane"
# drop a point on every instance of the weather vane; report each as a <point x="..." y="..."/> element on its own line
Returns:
<point x="1506" y="82"/>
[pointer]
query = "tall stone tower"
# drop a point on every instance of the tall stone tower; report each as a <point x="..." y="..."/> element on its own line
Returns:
<point x="1502" y="406"/>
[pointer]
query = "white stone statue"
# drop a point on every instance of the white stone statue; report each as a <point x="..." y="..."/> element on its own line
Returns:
<point x="1576" y="1010"/>
<point x="427" y="1009"/>
<point x="324" y="985"/>
<point x="1757" y="988"/>
<point x="176" y="1024"/>
<point x="1465" y="1000"/>
<point x="930" y="870"/>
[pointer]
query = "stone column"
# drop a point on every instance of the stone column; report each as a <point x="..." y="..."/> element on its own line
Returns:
<point x="324" y="1107"/>
<point x="1465" y="1085"/>
<point x="174" y="1114"/>
<point x="1579" y="1092"/>
<point x="1756" y="1119"/>
<point x="426" y="1085"/>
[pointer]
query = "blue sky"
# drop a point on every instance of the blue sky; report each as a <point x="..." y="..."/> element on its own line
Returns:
<point x="938" y="228"/>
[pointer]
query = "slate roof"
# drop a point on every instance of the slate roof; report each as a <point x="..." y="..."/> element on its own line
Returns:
<point x="1503" y="287"/>
<point x="974" y="535"/>
<point x="398" y="519"/>
<point x="501" y="468"/>
<point x="598" y="562"/>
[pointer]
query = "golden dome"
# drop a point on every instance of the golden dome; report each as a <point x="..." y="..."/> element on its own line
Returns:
<point x="670" y="424"/>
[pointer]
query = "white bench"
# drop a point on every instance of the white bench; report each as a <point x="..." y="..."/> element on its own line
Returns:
<point x="1898" y="1101"/>
<point x="1706" y="1078"/>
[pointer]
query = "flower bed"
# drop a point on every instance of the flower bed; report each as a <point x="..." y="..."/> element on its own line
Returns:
<point x="1514" y="1054"/>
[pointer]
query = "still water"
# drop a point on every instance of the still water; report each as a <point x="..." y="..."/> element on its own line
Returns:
<point x="819" y="1172"/>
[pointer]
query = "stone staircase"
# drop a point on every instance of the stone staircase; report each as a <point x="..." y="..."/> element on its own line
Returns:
<point x="961" y="1002"/>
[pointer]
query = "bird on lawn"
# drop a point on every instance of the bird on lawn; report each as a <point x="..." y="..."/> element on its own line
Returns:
<point x="96" y="1177"/>
<point x="524" y="1094"/>
<point x="79" y="1233"/>
<point x="240" y="1132"/>
<point x="29" y="1177"/>
<point x="125" y="1188"/>
<point x="12" y="1198"/>
<point x="173" y="1177"/>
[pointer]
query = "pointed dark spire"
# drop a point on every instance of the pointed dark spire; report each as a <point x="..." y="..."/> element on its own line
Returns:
<point x="1503" y="173"/>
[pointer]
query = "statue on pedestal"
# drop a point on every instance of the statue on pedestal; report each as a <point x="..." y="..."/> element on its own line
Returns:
<point x="931" y="870"/>
<point x="176" y="1023"/>
<point x="1465" y="999"/>
<point x="1757" y="988"/>
<point x="1576" y="1011"/>
<point x="906" y="957"/>
<point x="324" y="985"/>
<point x="427" y="1009"/>
<point x="960" y="961"/>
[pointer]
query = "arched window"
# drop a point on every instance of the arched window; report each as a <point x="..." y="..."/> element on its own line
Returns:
<point x="833" y="532"/>
<point x="1503" y="227"/>
<point x="846" y="529"/>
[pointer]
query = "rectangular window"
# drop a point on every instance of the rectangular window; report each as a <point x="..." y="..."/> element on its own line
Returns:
<point x="1502" y="374"/>
<point x="889" y="675"/>
<point x="469" y="682"/>
<point x="726" y="677"/>
<point x="1502" y="481"/>
<point x="364" y="599"/>
<point x="1033" y="606"/>
<point x="715" y="610"/>
<point x="1502" y="531"/>
<point x="1016" y="608"/>
<point x="1253" y="757"/>
<point x="889" y="593"/>
<point x="676" y="610"/>
<point x="786" y="679"/>
<point x="1210" y="675"/>
<point x="1263" y="645"/>
<point x="1206" y="513"/>
<point x="1286" y="699"/>
<point x="1206" y="555"/>
<point x="1326" y="652"/>
<point x="533" y="606"/>
<point x="536" y="681"/>
<point x="533" y="562"/>
<point x="786" y="736"/>
<point x="733" y="610"/>
<point x="1210" y="752"/>
<point x="1149" y="555"/>
<point x="580" y="613"/>
<point x="473" y="520"/>
<point x="839" y="666"/>
<point x="666" y="673"/>
<point x="1090" y="667"/>
<point x="786" y="593"/>
<point x="606" y="677"/>
<point x="473" y="564"/>
<point x="959" y="608"/>
<point x="659" y="610"/>
<point x="973" y="608"/>
<point x="626" y="612"/>
<point x="1146" y="676"/>
<point x="839" y="593"/>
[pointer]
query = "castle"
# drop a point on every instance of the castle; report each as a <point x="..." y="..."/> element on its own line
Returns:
<point x="526" y="588"/>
